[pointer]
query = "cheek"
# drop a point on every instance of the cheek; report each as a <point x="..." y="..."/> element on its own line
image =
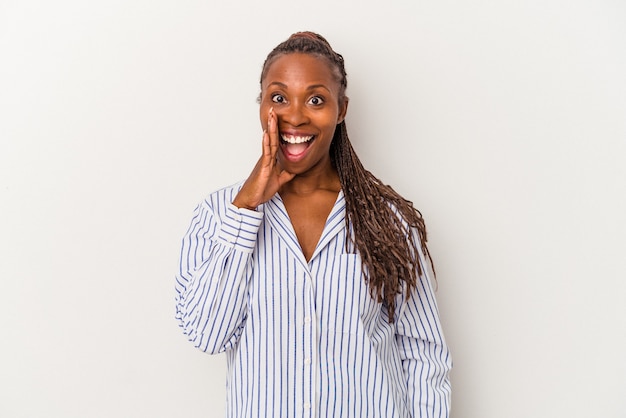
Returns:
<point x="330" y="122"/>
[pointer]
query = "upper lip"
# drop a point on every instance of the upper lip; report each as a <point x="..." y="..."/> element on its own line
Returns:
<point x="295" y="133"/>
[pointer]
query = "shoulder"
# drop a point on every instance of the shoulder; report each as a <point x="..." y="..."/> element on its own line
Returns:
<point x="221" y="197"/>
<point x="215" y="205"/>
<point x="406" y="214"/>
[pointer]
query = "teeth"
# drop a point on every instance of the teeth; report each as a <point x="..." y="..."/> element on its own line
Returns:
<point x="296" y="139"/>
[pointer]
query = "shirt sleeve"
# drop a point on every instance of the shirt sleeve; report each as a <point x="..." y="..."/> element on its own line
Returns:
<point x="425" y="356"/>
<point x="215" y="269"/>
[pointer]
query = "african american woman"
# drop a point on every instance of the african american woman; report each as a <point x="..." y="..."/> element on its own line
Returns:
<point x="313" y="276"/>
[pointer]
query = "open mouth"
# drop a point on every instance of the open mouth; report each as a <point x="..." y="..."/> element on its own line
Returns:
<point x="295" y="145"/>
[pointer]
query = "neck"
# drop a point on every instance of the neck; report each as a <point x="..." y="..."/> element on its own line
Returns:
<point x="309" y="182"/>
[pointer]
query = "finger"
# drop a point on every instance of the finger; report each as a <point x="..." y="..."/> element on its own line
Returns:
<point x="285" y="177"/>
<point x="272" y="131"/>
<point x="266" y="152"/>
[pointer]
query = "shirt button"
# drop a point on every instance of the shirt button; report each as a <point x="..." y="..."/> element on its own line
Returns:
<point x="307" y="361"/>
<point x="307" y="319"/>
<point x="307" y="406"/>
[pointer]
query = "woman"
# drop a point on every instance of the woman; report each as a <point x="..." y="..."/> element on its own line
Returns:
<point x="312" y="276"/>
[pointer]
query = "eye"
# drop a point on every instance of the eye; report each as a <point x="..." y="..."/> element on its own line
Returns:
<point x="278" y="98"/>
<point x="316" y="100"/>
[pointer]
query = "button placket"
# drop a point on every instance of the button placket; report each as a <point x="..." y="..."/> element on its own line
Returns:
<point x="308" y="329"/>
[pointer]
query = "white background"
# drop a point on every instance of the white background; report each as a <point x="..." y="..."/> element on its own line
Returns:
<point x="504" y="122"/>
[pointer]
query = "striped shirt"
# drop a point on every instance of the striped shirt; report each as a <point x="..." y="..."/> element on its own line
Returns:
<point x="304" y="339"/>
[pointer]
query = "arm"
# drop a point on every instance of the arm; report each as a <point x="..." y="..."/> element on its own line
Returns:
<point x="215" y="261"/>
<point x="425" y="356"/>
<point x="215" y="269"/>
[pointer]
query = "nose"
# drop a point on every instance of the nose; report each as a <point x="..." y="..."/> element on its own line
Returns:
<point x="295" y="114"/>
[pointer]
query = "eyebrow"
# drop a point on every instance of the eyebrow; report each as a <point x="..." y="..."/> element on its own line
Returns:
<point x="311" y="87"/>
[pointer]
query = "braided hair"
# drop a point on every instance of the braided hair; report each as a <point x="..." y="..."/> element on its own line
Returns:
<point x="381" y="221"/>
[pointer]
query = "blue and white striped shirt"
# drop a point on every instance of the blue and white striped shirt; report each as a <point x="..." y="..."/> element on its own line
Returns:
<point x="304" y="339"/>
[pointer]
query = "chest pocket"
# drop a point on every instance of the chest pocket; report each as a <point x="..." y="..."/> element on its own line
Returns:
<point x="346" y="298"/>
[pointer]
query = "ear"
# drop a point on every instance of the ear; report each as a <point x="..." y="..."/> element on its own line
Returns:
<point x="343" y="109"/>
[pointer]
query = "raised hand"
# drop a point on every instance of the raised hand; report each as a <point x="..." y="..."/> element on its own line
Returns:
<point x="267" y="176"/>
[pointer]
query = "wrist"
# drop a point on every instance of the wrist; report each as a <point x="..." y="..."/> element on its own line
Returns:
<point x="242" y="205"/>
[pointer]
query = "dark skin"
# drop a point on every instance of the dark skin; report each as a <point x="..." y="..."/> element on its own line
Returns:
<point x="300" y="103"/>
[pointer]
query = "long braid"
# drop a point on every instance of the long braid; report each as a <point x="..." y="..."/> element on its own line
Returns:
<point x="380" y="219"/>
<point x="382" y="223"/>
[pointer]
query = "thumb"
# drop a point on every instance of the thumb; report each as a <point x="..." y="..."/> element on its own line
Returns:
<point x="285" y="177"/>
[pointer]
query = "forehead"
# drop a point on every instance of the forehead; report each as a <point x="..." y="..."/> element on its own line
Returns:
<point x="298" y="68"/>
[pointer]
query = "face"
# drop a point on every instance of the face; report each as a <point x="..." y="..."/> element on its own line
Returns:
<point x="304" y="93"/>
